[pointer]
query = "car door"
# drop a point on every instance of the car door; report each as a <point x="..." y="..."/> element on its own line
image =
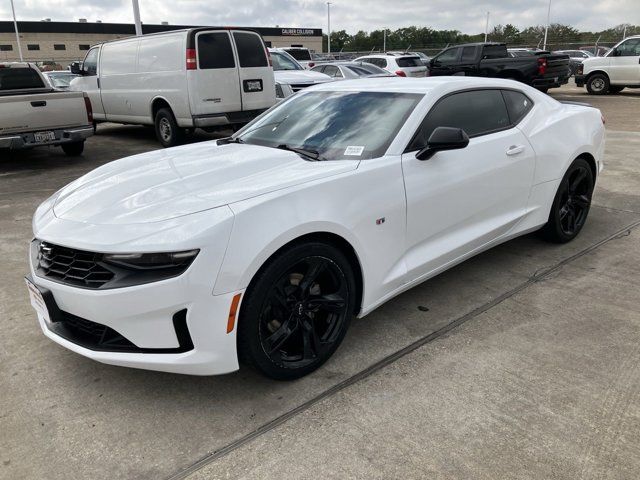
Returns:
<point x="624" y="66"/>
<point x="257" y="83"/>
<point x="445" y="63"/>
<point x="213" y="84"/>
<point x="459" y="200"/>
<point x="89" y="82"/>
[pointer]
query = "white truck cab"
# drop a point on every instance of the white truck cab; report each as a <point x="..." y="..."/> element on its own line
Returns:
<point x="619" y="68"/>
<point x="177" y="80"/>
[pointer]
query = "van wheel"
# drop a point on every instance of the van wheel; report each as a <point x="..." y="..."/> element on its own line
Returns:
<point x="167" y="130"/>
<point x="73" y="149"/>
<point x="598" y="84"/>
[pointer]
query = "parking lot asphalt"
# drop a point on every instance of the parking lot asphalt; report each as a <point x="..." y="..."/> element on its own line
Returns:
<point x="523" y="362"/>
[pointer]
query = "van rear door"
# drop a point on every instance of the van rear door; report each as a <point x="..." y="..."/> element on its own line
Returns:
<point x="257" y="84"/>
<point x="213" y="81"/>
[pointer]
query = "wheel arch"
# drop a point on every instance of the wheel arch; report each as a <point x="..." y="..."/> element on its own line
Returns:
<point x="156" y="104"/>
<point x="594" y="72"/>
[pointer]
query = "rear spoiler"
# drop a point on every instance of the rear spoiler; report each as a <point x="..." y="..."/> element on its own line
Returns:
<point x="581" y="104"/>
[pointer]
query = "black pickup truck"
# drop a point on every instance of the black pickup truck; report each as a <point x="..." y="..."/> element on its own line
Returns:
<point x="541" y="70"/>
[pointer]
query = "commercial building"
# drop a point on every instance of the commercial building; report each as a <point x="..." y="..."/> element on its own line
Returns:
<point x="65" y="42"/>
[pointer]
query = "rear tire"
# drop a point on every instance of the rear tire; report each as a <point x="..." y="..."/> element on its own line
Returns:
<point x="598" y="84"/>
<point x="73" y="149"/>
<point x="571" y="204"/>
<point x="296" y="311"/>
<point x="167" y="130"/>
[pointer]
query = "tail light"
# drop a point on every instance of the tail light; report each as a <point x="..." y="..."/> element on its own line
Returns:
<point x="542" y="66"/>
<point x="401" y="73"/>
<point x="87" y="104"/>
<point x="311" y="64"/>
<point x="192" y="63"/>
<point x="268" y="56"/>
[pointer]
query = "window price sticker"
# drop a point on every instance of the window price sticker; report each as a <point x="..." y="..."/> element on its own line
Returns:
<point x="355" y="151"/>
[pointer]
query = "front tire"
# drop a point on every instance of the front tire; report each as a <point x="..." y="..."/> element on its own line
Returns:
<point x="73" y="149"/>
<point x="167" y="130"/>
<point x="598" y="84"/>
<point x="571" y="204"/>
<point x="296" y="311"/>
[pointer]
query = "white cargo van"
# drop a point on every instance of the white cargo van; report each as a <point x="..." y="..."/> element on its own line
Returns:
<point x="178" y="80"/>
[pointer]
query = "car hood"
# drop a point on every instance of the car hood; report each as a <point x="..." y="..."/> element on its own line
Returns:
<point x="300" y="76"/>
<point x="164" y="184"/>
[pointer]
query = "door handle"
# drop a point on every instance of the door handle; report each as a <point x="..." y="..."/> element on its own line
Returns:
<point x="515" y="150"/>
<point x="40" y="103"/>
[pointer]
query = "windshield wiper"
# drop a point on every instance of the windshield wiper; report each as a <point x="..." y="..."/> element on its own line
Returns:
<point x="312" y="154"/>
<point x="227" y="140"/>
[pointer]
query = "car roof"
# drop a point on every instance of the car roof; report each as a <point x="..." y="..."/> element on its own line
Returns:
<point x="17" y="65"/>
<point x="387" y="55"/>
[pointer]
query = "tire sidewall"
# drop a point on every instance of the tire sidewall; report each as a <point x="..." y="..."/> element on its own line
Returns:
<point x="173" y="125"/>
<point x="598" y="76"/>
<point x="249" y="345"/>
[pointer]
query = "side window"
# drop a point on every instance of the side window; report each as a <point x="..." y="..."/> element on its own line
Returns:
<point x="319" y="68"/>
<point x="477" y="112"/>
<point x="468" y="54"/>
<point x="518" y="105"/>
<point x="214" y="51"/>
<point x="630" y="48"/>
<point x="90" y="64"/>
<point x="332" y="71"/>
<point x="448" y="56"/>
<point x="251" y="52"/>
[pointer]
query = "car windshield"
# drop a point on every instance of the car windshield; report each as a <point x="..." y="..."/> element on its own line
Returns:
<point x="284" y="62"/>
<point x="334" y="125"/>
<point x="299" y="54"/>
<point x="61" y="79"/>
<point x="404" y="62"/>
<point x="367" y="69"/>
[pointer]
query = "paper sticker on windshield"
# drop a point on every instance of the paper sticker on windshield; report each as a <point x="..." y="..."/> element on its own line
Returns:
<point x="356" y="151"/>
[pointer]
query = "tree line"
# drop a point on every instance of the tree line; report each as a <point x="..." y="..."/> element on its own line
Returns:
<point x="425" y="38"/>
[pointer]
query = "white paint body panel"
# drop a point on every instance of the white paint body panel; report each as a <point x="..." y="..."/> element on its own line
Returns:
<point x="241" y="203"/>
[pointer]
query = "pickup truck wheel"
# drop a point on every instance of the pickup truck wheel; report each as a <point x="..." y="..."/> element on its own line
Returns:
<point x="73" y="149"/>
<point x="614" y="89"/>
<point x="598" y="84"/>
<point x="167" y="130"/>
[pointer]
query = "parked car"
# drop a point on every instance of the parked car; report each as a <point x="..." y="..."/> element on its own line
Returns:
<point x="542" y="70"/>
<point x="178" y="80"/>
<point x="424" y="58"/>
<point x="576" y="57"/>
<point x="263" y="245"/>
<point x="349" y="70"/>
<point x="618" y="69"/>
<point x="60" y="79"/>
<point x="400" y="65"/>
<point x="33" y="114"/>
<point x="290" y="76"/>
<point x="302" y="55"/>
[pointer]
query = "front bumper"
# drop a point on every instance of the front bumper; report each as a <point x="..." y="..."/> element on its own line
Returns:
<point x="219" y="119"/>
<point x="581" y="80"/>
<point x="27" y="140"/>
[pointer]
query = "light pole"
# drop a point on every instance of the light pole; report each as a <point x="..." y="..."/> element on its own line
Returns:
<point x="329" y="28"/>
<point x="15" y="25"/>
<point x="546" y="29"/>
<point x="384" y="41"/>
<point x="486" y="28"/>
<point x="136" y="17"/>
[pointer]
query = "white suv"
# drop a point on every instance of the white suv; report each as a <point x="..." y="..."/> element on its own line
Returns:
<point x="402" y="65"/>
<point x="619" y="68"/>
<point x="290" y="76"/>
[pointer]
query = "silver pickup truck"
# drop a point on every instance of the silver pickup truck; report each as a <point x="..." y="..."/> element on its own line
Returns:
<point x="32" y="113"/>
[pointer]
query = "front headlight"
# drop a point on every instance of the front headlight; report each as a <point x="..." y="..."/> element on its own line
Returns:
<point x="152" y="261"/>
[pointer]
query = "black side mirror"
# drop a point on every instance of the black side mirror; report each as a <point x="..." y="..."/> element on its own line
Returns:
<point x="75" y="68"/>
<point x="443" y="138"/>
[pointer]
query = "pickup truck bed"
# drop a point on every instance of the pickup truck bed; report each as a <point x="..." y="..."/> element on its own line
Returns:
<point x="34" y="114"/>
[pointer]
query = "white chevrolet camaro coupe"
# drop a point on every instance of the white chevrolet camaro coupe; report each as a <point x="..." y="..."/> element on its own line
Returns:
<point x="259" y="248"/>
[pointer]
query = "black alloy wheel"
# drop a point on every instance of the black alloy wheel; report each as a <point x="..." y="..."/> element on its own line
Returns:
<point x="297" y="312"/>
<point x="571" y="204"/>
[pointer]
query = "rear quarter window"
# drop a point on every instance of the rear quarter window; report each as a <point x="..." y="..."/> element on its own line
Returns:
<point x="19" y="78"/>
<point x="251" y="51"/>
<point x="404" y="62"/>
<point x="214" y="51"/>
<point x="518" y="105"/>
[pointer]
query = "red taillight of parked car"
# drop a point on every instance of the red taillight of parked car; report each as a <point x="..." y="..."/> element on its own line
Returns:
<point x="192" y="63"/>
<point x="87" y="104"/>
<point x="400" y="73"/>
<point x="311" y="64"/>
<point x="542" y="66"/>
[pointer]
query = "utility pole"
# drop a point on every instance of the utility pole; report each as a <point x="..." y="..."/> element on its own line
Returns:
<point x="486" y="29"/>
<point x="15" y="25"/>
<point x="546" y="29"/>
<point x="136" y="17"/>
<point x="624" y="33"/>
<point x="329" y="28"/>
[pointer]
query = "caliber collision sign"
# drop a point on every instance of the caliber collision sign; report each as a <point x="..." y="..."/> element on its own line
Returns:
<point x="298" y="31"/>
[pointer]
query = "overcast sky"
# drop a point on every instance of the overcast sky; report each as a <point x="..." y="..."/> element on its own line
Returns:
<point x="467" y="16"/>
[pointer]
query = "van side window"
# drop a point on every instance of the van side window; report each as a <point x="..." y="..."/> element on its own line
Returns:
<point x="214" y="51"/>
<point x="477" y="112"/>
<point x="90" y="64"/>
<point x="251" y="52"/>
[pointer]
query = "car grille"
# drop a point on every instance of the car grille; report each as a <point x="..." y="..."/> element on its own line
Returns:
<point x="73" y="267"/>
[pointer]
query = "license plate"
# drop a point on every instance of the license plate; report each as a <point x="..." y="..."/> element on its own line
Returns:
<point x="44" y="136"/>
<point x="252" y="85"/>
<point x="37" y="302"/>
